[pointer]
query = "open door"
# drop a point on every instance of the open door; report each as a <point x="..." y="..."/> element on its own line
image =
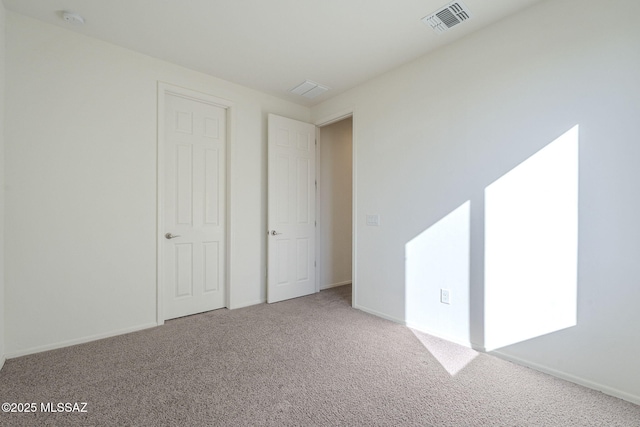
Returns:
<point x="291" y="209"/>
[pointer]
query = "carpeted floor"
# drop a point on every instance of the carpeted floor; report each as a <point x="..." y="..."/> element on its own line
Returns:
<point x="312" y="361"/>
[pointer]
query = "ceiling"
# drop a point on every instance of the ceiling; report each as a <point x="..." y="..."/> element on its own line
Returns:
<point x="272" y="45"/>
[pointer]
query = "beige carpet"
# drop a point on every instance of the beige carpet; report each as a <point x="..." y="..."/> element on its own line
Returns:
<point x="313" y="361"/>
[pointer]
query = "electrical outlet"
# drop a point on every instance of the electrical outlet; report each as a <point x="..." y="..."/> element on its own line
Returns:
<point x="445" y="296"/>
<point x="373" y="220"/>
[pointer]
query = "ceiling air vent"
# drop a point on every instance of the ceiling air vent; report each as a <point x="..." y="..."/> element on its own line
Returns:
<point x="447" y="17"/>
<point x="309" y="89"/>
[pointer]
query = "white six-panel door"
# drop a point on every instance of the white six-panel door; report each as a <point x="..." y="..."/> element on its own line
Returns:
<point x="193" y="239"/>
<point x="291" y="210"/>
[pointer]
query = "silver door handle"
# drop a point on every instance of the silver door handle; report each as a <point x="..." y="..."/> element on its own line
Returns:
<point x="170" y="236"/>
<point x="274" y="233"/>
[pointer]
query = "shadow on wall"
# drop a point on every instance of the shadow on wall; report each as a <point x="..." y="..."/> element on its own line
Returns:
<point x="530" y="258"/>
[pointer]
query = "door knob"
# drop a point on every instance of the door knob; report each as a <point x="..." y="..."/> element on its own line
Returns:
<point x="274" y="233"/>
<point x="170" y="236"/>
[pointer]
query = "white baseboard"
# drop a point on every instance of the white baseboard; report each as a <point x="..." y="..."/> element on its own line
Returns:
<point x="247" y="304"/>
<point x="378" y="314"/>
<point x="445" y="337"/>
<point x="40" y="349"/>
<point x="550" y="371"/>
<point x="333" y="285"/>
<point x="2" y="360"/>
<point x="454" y="340"/>
<point x="571" y="378"/>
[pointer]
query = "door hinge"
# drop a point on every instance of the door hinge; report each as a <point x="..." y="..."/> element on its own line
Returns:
<point x="316" y="184"/>
<point x="315" y="223"/>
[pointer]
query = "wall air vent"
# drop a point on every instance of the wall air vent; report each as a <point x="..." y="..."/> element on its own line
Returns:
<point x="447" y="17"/>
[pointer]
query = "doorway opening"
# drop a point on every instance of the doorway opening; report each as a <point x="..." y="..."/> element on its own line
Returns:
<point x="335" y="232"/>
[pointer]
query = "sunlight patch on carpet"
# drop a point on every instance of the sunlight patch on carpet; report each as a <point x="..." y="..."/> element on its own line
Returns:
<point x="453" y="357"/>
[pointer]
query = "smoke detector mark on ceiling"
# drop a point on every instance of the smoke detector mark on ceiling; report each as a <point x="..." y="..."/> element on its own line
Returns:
<point x="447" y="17"/>
<point x="72" y="18"/>
<point x="309" y="89"/>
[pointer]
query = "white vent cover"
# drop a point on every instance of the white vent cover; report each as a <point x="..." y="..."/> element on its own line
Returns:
<point x="447" y="17"/>
<point x="309" y="89"/>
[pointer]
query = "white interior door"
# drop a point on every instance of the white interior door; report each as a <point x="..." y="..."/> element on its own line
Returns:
<point x="194" y="206"/>
<point x="292" y="209"/>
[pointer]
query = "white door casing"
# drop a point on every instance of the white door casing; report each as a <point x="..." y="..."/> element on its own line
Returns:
<point x="192" y="204"/>
<point x="291" y="209"/>
<point x="320" y="123"/>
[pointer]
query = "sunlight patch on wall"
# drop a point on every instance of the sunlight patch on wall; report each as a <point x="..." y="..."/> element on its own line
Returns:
<point x="531" y="246"/>
<point x="438" y="258"/>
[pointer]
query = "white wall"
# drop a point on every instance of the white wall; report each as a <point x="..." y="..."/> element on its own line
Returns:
<point x="433" y="134"/>
<point x="437" y="260"/>
<point x="81" y="185"/>
<point x="2" y="172"/>
<point x="334" y="185"/>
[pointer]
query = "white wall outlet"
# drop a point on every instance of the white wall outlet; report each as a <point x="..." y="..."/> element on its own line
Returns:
<point x="373" y="220"/>
<point x="445" y="296"/>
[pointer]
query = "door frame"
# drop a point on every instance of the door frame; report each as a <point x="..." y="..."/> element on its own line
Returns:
<point x="165" y="89"/>
<point x="325" y="121"/>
